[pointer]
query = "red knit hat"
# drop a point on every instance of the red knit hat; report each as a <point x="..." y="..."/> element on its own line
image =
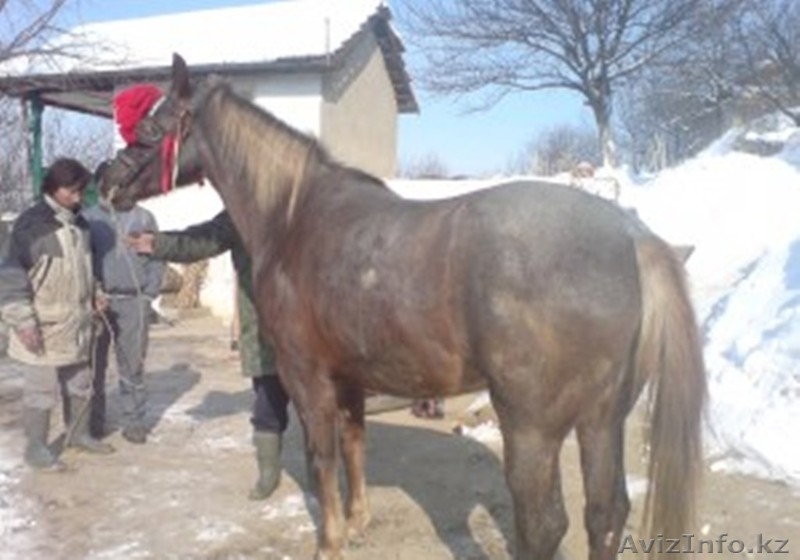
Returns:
<point x="133" y="104"/>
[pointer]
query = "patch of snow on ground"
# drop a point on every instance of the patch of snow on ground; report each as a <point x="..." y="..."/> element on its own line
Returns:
<point x="292" y="506"/>
<point x="486" y="432"/>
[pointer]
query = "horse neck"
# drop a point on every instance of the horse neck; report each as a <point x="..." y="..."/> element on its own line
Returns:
<point x="257" y="165"/>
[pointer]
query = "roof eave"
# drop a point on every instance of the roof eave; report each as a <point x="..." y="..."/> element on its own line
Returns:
<point x="51" y="88"/>
<point x="100" y="83"/>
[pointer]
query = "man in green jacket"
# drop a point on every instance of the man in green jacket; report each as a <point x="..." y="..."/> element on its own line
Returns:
<point x="270" y="408"/>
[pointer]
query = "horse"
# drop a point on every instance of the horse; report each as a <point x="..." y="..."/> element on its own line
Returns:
<point x="563" y="304"/>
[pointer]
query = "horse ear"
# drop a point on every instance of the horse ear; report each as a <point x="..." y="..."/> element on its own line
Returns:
<point x="180" y="77"/>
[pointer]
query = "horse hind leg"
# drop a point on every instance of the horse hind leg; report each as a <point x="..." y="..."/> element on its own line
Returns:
<point x="351" y="436"/>
<point x="601" y="440"/>
<point x="532" y="472"/>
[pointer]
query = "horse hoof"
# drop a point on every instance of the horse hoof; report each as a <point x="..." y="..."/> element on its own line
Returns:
<point x="356" y="527"/>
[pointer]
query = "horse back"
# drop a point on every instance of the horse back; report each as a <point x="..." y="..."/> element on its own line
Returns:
<point x="433" y="298"/>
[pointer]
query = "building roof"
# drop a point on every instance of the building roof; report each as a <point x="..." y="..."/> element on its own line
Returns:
<point x="289" y="36"/>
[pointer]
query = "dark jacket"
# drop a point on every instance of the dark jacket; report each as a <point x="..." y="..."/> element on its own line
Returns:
<point x="210" y="239"/>
<point x="46" y="280"/>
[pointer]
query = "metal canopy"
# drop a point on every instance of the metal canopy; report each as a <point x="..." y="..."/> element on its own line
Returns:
<point x="91" y="92"/>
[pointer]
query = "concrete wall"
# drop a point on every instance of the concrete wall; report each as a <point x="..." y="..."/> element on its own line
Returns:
<point x="351" y="110"/>
<point x="359" y="113"/>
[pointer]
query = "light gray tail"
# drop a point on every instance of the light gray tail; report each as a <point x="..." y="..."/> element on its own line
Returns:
<point x="670" y="357"/>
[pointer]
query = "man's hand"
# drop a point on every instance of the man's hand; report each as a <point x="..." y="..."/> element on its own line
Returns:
<point x="31" y="338"/>
<point x="100" y="302"/>
<point x="141" y="242"/>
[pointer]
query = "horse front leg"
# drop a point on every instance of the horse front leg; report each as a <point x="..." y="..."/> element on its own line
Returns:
<point x="351" y="408"/>
<point x="319" y="414"/>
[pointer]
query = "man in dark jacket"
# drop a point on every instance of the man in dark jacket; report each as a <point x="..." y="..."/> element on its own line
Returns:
<point x="270" y="408"/>
<point x="47" y="296"/>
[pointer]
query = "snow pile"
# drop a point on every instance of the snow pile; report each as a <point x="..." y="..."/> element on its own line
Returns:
<point x="740" y="211"/>
<point x="17" y="511"/>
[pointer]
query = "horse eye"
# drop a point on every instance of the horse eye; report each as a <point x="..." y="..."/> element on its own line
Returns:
<point x="148" y="132"/>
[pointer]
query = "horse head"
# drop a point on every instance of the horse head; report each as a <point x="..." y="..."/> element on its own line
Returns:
<point x="164" y="155"/>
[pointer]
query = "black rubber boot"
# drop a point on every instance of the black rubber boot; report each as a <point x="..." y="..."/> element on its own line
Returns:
<point x="97" y="416"/>
<point x="268" y="457"/>
<point x="78" y="435"/>
<point x="36" y="422"/>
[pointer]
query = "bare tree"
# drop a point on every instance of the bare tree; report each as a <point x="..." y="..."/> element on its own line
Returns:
<point x="556" y="150"/>
<point x="28" y="27"/>
<point x="429" y="166"/>
<point x="31" y="30"/>
<point x="562" y="148"/>
<point x="586" y="46"/>
<point x="770" y="35"/>
<point x="13" y="161"/>
<point x="742" y="63"/>
<point x="86" y="138"/>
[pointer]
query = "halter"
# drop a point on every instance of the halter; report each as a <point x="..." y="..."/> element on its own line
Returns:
<point x="152" y="139"/>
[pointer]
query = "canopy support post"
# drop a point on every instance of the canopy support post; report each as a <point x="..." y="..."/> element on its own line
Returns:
<point x="34" y="107"/>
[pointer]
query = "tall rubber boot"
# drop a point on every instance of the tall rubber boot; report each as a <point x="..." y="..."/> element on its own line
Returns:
<point x="78" y="435"/>
<point x="268" y="457"/>
<point x="97" y="415"/>
<point x="36" y="423"/>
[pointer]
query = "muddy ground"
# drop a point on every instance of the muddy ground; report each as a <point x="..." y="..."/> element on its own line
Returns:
<point x="435" y="495"/>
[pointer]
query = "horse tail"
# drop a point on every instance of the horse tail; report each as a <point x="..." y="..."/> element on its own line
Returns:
<point x="670" y="357"/>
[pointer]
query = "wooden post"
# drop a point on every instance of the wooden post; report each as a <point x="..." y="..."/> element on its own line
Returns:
<point x="34" y="118"/>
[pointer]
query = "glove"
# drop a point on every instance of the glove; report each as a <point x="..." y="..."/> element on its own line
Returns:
<point x="31" y="338"/>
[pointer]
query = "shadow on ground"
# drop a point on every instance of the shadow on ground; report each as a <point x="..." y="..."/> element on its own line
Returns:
<point x="411" y="458"/>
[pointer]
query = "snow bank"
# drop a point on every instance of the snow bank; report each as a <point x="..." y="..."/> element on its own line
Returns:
<point x="741" y="213"/>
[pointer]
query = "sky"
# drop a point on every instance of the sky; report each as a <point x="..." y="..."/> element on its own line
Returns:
<point x="468" y="143"/>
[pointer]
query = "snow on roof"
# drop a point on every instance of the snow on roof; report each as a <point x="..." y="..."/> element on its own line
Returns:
<point x="231" y="35"/>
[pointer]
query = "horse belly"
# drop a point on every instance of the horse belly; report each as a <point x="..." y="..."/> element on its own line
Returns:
<point x="405" y="373"/>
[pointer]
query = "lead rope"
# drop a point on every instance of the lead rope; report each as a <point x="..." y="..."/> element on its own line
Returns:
<point x="77" y="415"/>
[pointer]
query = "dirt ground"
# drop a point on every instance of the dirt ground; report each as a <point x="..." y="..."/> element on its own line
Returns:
<point x="434" y="495"/>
